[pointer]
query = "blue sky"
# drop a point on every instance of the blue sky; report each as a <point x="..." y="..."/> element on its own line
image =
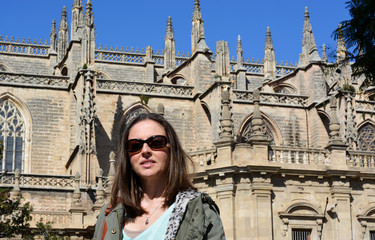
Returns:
<point x="143" y="22"/>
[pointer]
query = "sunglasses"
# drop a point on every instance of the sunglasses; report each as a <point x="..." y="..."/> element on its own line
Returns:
<point x="156" y="142"/>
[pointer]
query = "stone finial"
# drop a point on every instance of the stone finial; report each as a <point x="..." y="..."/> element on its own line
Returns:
<point x="77" y="192"/>
<point x="63" y="38"/>
<point x="100" y="195"/>
<point x="341" y="50"/>
<point x="16" y="192"/>
<point x="269" y="57"/>
<point x="112" y="171"/>
<point x="309" y="49"/>
<point x="197" y="33"/>
<point x="258" y="128"/>
<point x="222" y="59"/>
<point x="324" y="54"/>
<point x="169" y="47"/>
<point x="226" y="122"/>
<point x="53" y="38"/>
<point x="334" y="126"/>
<point x="239" y="52"/>
<point x="89" y="16"/>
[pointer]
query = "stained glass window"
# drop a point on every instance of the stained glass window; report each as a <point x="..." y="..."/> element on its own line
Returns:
<point x="366" y="138"/>
<point x="12" y="135"/>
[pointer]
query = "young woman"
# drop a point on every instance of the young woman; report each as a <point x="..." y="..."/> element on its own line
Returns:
<point x="152" y="195"/>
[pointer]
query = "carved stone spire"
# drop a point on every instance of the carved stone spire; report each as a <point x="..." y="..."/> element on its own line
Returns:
<point x="88" y="39"/>
<point x="334" y="126"/>
<point x="197" y="33"/>
<point x="269" y="57"/>
<point x="63" y="41"/>
<point x="226" y="122"/>
<point x="309" y="49"/>
<point x="258" y="128"/>
<point x="53" y="38"/>
<point x="324" y="54"/>
<point x="341" y="50"/>
<point x="169" y="47"/>
<point x="222" y="63"/>
<point x="77" y="19"/>
<point x="239" y="52"/>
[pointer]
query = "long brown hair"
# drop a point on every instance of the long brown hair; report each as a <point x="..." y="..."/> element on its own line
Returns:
<point x="127" y="187"/>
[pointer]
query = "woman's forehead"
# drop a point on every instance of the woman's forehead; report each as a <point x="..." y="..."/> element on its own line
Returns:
<point x="146" y="128"/>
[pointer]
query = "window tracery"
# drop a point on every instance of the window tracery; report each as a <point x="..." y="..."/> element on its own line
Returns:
<point x="366" y="138"/>
<point x="12" y="135"/>
<point x="247" y="131"/>
<point x="285" y="90"/>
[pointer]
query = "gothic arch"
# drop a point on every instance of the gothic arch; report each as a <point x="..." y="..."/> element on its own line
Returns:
<point x="179" y="79"/>
<point x="4" y="68"/>
<point x="272" y="129"/>
<point x="285" y="88"/>
<point x="27" y="120"/>
<point x="103" y="76"/>
<point x="206" y="109"/>
<point x="366" y="136"/>
<point x="326" y="119"/>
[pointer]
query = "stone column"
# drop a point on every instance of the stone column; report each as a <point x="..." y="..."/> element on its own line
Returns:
<point x="150" y="66"/>
<point x="16" y="192"/>
<point x="335" y="145"/>
<point x="243" y="209"/>
<point x="262" y="212"/>
<point x="100" y="194"/>
<point x="111" y="175"/>
<point x="258" y="139"/>
<point x="340" y="192"/>
<point x="76" y="209"/>
<point x="225" y="199"/>
<point x="226" y="142"/>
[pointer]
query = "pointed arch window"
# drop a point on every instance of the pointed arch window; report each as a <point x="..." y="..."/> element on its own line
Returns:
<point x="12" y="135"/>
<point x="366" y="138"/>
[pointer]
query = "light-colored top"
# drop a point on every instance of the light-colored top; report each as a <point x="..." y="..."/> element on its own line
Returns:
<point x="156" y="231"/>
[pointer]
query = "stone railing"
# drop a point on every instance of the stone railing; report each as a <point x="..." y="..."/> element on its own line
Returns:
<point x="7" y="78"/>
<point x="365" y="106"/>
<point x="203" y="157"/>
<point x="309" y="156"/>
<point x="24" y="47"/>
<point x="271" y="98"/>
<point x="39" y="181"/>
<point x="152" y="89"/>
<point x="360" y="159"/>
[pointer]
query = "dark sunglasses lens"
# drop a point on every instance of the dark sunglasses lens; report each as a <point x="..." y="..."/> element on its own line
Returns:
<point x="157" y="142"/>
<point x="134" y="145"/>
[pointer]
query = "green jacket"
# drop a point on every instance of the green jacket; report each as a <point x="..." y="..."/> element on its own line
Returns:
<point x="199" y="220"/>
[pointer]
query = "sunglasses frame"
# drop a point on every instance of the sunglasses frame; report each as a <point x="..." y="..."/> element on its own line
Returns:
<point x="148" y="141"/>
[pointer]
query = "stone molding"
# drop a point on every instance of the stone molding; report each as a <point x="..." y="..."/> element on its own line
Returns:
<point x="32" y="80"/>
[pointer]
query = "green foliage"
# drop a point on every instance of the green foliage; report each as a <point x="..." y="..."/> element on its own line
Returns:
<point x="84" y="66"/>
<point x="17" y="217"/>
<point x="144" y="99"/>
<point x="348" y="88"/>
<point x="359" y="33"/>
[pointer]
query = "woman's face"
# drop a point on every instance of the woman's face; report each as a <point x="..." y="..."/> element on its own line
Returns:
<point x="149" y="164"/>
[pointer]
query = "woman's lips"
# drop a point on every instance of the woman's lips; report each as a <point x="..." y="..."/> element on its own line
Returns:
<point x="147" y="163"/>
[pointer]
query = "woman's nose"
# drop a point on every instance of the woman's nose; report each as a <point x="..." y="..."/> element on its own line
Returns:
<point x="145" y="149"/>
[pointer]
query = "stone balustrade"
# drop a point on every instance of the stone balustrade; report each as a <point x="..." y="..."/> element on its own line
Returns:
<point x="24" y="47"/>
<point x="203" y="157"/>
<point x="55" y="82"/>
<point x="365" y="106"/>
<point x="313" y="156"/>
<point x="271" y="98"/>
<point x="360" y="159"/>
<point x="152" y="89"/>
